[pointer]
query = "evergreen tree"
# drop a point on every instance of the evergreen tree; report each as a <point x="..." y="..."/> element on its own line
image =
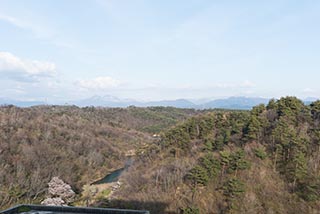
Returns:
<point x="198" y="175"/>
<point x="211" y="164"/>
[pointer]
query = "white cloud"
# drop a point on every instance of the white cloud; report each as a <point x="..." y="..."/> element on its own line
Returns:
<point x="247" y="84"/>
<point x="24" y="70"/>
<point x="13" y="21"/>
<point x="40" y="29"/>
<point x="244" y="84"/>
<point x="308" y="90"/>
<point x="99" y="83"/>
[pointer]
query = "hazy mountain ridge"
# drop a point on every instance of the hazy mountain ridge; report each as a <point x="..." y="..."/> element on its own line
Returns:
<point x="245" y="103"/>
<point x="227" y="103"/>
<point x="235" y="102"/>
<point x="20" y="103"/>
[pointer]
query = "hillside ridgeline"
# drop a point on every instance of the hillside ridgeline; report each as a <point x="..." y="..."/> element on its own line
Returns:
<point x="262" y="161"/>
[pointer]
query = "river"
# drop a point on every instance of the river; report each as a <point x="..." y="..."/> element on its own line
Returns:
<point x="114" y="176"/>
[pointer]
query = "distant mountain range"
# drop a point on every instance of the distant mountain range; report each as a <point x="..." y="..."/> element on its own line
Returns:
<point x="235" y="103"/>
<point x="228" y="103"/>
<point x="20" y="103"/>
<point x="111" y="101"/>
<point x="105" y="101"/>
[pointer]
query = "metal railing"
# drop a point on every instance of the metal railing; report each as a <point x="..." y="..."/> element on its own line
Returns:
<point x="26" y="208"/>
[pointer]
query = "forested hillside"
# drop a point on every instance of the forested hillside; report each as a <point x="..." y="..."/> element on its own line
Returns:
<point x="78" y="145"/>
<point x="262" y="161"/>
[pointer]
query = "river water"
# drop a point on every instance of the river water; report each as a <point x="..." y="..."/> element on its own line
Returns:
<point x="114" y="176"/>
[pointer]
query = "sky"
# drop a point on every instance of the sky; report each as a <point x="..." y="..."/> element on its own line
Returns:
<point x="57" y="50"/>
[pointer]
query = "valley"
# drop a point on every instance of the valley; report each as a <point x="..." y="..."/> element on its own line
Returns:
<point x="164" y="159"/>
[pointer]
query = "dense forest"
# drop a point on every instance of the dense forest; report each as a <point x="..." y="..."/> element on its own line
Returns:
<point x="261" y="161"/>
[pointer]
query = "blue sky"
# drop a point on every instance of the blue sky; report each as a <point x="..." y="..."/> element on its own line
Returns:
<point x="59" y="50"/>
